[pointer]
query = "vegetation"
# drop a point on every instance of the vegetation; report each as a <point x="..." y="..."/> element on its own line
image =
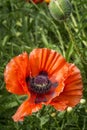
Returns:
<point x="25" y="26"/>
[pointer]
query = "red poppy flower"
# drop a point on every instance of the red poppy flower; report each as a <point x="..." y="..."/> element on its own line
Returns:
<point x="46" y="78"/>
<point x="39" y="1"/>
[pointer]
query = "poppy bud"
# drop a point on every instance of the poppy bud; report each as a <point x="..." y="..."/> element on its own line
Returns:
<point x="69" y="109"/>
<point x="60" y="9"/>
<point x="82" y="101"/>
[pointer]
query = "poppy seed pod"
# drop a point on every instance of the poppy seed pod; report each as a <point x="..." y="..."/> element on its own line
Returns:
<point x="60" y="9"/>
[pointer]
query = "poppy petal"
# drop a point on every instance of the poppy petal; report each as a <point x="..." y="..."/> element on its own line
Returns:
<point x="57" y="68"/>
<point x="59" y="77"/>
<point x="15" y="74"/>
<point x="47" y="60"/>
<point x="40" y="99"/>
<point x="25" y="109"/>
<point x="38" y="59"/>
<point x="72" y="92"/>
<point x="35" y="61"/>
<point x="60" y="106"/>
<point x="51" y="62"/>
<point x="47" y="1"/>
<point x="53" y="93"/>
<point x="35" y="1"/>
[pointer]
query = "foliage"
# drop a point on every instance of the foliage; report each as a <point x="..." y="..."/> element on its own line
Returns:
<point x="25" y="26"/>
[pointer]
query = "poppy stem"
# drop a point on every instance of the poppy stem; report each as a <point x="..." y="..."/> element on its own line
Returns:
<point x="71" y="44"/>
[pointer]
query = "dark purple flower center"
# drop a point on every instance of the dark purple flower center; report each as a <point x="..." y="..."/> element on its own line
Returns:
<point x="40" y="84"/>
<point x="40" y="81"/>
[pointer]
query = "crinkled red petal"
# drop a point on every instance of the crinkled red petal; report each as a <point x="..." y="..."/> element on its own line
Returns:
<point x="72" y="92"/>
<point x="25" y="109"/>
<point x="15" y="74"/>
<point x="52" y="62"/>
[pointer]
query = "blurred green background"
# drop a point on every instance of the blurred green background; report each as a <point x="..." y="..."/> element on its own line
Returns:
<point x="25" y="26"/>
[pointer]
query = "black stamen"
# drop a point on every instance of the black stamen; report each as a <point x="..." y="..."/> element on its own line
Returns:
<point x="43" y="73"/>
<point x="27" y="79"/>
